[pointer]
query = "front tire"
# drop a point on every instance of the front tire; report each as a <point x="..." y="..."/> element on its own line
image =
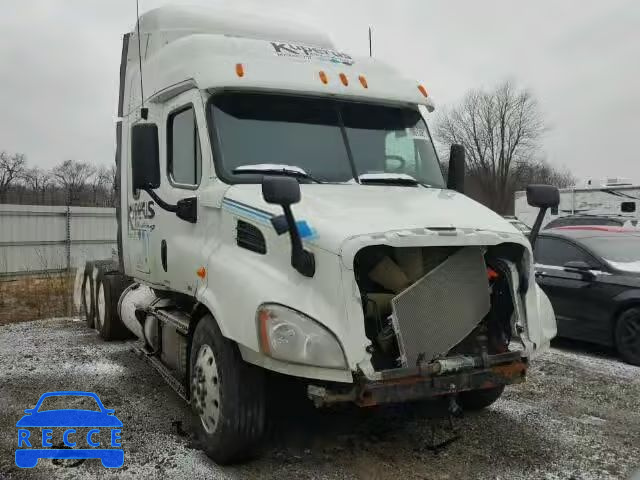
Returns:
<point x="627" y="335"/>
<point x="478" y="399"/>
<point x="227" y="394"/>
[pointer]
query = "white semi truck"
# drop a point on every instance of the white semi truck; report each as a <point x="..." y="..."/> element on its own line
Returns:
<point x="282" y="209"/>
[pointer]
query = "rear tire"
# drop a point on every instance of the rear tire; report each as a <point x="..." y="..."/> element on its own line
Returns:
<point x="478" y="399"/>
<point x="227" y="395"/>
<point x="109" y="287"/>
<point x="627" y="335"/>
<point x="88" y="296"/>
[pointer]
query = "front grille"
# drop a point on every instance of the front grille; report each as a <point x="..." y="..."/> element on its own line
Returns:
<point x="438" y="311"/>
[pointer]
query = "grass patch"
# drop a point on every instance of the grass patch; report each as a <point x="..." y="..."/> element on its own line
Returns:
<point x="34" y="297"/>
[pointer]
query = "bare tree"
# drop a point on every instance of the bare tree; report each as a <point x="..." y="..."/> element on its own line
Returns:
<point x="72" y="176"/>
<point x="113" y="185"/>
<point x="11" y="168"/>
<point x="101" y="185"/>
<point x="499" y="130"/>
<point x="540" y="171"/>
<point x="37" y="180"/>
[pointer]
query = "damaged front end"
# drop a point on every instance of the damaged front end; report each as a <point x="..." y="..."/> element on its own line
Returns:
<point x="441" y="320"/>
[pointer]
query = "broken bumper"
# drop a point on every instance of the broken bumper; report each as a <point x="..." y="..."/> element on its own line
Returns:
<point x="429" y="381"/>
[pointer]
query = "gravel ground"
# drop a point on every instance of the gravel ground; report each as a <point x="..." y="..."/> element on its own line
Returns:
<point x="577" y="417"/>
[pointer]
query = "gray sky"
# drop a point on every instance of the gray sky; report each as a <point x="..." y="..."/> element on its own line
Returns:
<point x="581" y="58"/>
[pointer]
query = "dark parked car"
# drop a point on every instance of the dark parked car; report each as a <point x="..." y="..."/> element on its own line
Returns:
<point x="606" y="220"/>
<point x="591" y="274"/>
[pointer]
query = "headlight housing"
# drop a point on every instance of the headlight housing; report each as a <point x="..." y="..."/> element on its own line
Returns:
<point x="289" y="335"/>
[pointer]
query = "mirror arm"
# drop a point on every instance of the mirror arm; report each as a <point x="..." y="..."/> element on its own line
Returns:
<point x="533" y="235"/>
<point x="161" y="203"/>
<point x="186" y="209"/>
<point x="302" y="260"/>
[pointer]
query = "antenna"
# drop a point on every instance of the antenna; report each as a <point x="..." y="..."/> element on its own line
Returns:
<point x="144" y="112"/>
<point x="370" y="44"/>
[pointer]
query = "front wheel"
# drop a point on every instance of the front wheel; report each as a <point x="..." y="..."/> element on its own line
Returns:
<point x="227" y="394"/>
<point x="627" y="335"/>
<point x="478" y="399"/>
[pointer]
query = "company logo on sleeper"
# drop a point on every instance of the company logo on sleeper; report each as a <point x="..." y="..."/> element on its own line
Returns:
<point x="47" y="431"/>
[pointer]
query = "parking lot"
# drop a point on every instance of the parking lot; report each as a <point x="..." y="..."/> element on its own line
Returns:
<point x="577" y="417"/>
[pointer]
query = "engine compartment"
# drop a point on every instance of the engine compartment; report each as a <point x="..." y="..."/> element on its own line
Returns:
<point x="384" y="274"/>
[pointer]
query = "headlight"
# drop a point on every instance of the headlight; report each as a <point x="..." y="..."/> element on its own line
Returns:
<point x="293" y="337"/>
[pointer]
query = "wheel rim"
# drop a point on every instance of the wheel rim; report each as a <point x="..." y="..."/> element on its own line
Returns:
<point x="630" y="335"/>
<point x="87" y="297"/>
<point x="100" y="306"/>
<point x="205" y="388"/>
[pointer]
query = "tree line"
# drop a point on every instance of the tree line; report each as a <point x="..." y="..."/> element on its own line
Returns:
<point x="71" y="182"/>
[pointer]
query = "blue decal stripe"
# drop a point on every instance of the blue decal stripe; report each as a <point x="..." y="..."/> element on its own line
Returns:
<point x="307" y="233"/>
<point x="243" y="212"/>
<point x="257" y="211"/>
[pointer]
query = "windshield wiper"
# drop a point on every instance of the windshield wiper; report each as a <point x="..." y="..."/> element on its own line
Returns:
<point x="274" y="169"/>
<point x="388" y="179"/>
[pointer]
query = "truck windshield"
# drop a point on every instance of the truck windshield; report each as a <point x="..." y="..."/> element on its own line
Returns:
<point x="333" y="141"/>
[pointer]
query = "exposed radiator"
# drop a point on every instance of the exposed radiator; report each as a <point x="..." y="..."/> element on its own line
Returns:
<point x="438" y="311"/>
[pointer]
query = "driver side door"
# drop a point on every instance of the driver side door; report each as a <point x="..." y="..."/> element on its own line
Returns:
<point x="185" y="165"/>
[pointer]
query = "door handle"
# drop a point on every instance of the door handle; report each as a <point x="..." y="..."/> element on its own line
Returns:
<point x="163" y="254"/>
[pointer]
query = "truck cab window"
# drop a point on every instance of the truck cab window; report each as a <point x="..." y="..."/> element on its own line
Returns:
<point x="184" y="156"/>
<point x="321" y="136"/>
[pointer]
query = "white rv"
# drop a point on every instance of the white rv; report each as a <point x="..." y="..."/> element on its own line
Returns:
<point x="615" y="199"/>
<point x="282" y="209"/>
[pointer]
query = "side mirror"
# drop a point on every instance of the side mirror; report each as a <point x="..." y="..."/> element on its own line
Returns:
<point x="455" y="178"/>
<point x="280" y="190"/>
<point x="542" y="197"/>
<point x="285" y="191"/>
<point x="145" y="167"/>
<point x="580" y="267"/>
<point x="145" y="157"/>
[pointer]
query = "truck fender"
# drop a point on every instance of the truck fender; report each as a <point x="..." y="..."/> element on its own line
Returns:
<point x="210" y="303"/>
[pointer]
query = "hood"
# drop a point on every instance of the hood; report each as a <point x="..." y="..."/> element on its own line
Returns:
<point x="336" y="213"/>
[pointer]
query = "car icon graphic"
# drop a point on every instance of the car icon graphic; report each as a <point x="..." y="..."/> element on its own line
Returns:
<point x="69" y="419"/>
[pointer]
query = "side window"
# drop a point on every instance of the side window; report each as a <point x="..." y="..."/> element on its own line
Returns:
<point x="557" y="252"/>
<point x="628" y="207"/>
<point x="184" y="157"/>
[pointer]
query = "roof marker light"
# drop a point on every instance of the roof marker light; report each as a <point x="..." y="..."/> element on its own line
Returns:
<point x="240" y="70"/>
<point x="423" y="90"/>
<point x="344" y="79"/>
<point x="323" y="77"/>
<point x="363" y="81"/>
